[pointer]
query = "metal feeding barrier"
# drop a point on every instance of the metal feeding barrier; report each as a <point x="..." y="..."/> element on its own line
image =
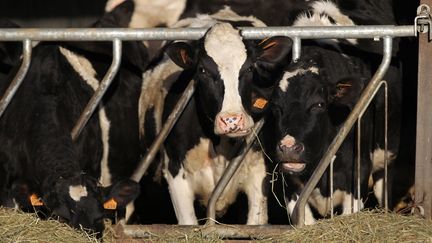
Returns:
<point x="385" y="33"/>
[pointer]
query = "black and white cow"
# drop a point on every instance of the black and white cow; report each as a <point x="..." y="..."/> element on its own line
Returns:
<point x="37" y="154"/>
<point x="307" y="111"/>
<point x="316" y="95"/>
<point x="234" y="81"/>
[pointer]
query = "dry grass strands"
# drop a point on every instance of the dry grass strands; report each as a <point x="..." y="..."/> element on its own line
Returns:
<point x="16" y="226"/>
<point x="174" y="237"/>
<point x="367" y="226"/>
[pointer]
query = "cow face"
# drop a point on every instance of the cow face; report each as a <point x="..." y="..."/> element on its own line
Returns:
<point x="226" y="69"/>
<point x="79" y="201"/>
<point x="307" y="110"/>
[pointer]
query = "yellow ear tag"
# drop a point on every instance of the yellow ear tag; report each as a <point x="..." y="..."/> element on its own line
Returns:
<point x="260" y="103"/>
<point x="110" y="204"/>
<point x="35" y="200"/>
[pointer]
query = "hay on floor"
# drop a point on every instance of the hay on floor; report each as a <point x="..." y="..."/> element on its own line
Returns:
<point x="366" y="226"/>
<point x="16" y="226"/>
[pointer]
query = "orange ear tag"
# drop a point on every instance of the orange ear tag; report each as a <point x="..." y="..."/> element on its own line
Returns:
<point x="110" y="204"/>
<point x="260" y="103"/>
<point x="340" y="85"/>
<point x="35" y="200"/>
<point x="184" y="56"/>
<point x="269" y="45"/>
<point x="263" y="40"/>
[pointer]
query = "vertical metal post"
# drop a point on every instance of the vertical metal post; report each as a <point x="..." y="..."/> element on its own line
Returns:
<point x="386" y="182"/>
<point x="423" y="169"/>
<point x="103" y="87"/>
<point x="296" y="49"/>
<point x="19" y="77"/>
<point x="358" y="162"/>
<point x="331" y="190"/>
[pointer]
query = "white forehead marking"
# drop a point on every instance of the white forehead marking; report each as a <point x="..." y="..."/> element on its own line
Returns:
<point x="284" y="83"/>
<point x="77" y="192"/>
<point x="333" y="11"/>
<point x="224" y="45"/>
<point x="317" y="19"/>
<point x="223" y="15"/>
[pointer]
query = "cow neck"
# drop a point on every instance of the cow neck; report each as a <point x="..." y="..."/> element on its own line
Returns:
<point x="229" y="147"/>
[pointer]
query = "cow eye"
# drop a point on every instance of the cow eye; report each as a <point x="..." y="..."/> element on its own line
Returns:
<point x="249" y="69"/>
<point x="201" y="70"/>
<point x="317" y="106"/>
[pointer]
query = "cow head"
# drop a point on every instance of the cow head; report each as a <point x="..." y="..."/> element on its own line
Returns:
<point x="230" y="74"/>
<point x="307" y="110"/>
<point x="79" y="201"/>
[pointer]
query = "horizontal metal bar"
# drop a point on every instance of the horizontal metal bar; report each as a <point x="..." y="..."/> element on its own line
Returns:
<point x="166" y="129"/>
<point x="364" y="100"/>
<point x="124" y="34"/>
<point x="100" y="91"/>
<point x="229" y="172"/>
<point x="224" y="231"/>
<point x="19" y="77"/>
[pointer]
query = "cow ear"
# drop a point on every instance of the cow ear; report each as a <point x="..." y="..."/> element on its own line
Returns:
<point x="347" y="91"/>
<point x="181" y="53"/>
<point x="121" y="193"/>
<point x="274" y="50"/>
<point x="119" y="16"/>
<point x="24" y="196"/>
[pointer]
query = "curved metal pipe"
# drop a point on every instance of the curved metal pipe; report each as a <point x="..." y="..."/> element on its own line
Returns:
<point x="168" y="125"/>
<point x="229" y="172"/>
<point x="19" y="77"/>
<point x="364" y="100"/>
<point x="103" y="87"/>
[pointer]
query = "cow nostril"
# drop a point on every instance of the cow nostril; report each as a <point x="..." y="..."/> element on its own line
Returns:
<point x="298" y="147"/>
<point x="282" y="147"/>
<point x="223" y="120"/>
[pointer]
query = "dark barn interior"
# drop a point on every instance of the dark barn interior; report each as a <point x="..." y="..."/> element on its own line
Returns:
<point x="83" y="13"/>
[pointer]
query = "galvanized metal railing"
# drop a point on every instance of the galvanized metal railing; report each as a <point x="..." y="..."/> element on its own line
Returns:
<point x="100" y="91"/>
<point x="19" y="77"/>
<point x="118" y="35"/>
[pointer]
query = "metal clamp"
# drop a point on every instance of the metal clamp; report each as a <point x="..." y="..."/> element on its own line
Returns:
<point x="423" y="18"/>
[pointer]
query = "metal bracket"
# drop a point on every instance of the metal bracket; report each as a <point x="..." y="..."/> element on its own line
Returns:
<point x="423" y="19"/>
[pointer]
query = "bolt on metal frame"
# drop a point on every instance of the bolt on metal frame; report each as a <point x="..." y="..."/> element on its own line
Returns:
<point x="385" y="32"/>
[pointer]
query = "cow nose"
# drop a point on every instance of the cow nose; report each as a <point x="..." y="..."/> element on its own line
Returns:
<point x="231" y="122"/>
<point x="296" y="148"/>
